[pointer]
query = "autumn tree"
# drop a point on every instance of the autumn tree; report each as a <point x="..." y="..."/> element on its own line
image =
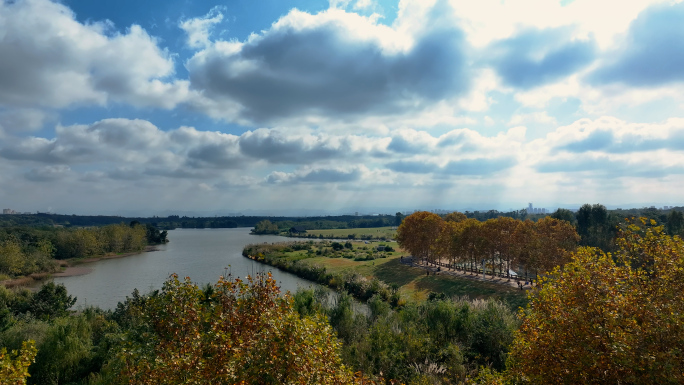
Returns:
<point x="455" y="217"/>
<point x="472" y="241"/>
<point x="418" y="234"/>
<point x="448" y="243"/>
<point x="556" y="239"/>
<point x="526" y="249"/>
<point x="238" y="332"/>
<point x="500" y="233"/>
<point x="607" y="319"/>
<point x="14" y="365"/>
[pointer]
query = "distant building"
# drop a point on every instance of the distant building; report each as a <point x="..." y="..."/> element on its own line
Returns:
<point x="8" y="211"/>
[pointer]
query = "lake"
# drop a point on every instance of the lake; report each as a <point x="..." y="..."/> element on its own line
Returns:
<point x="201" y="254"/>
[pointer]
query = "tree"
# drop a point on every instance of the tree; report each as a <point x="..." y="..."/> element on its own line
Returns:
<point x="675" y="222"/>
<point x="265" y="227"/>
<point x="50" y="302"/>
<point x="455" y="217"/>
<point x="398" y="218"/>
<point x="243" y="331"/>
<point x="556" y="239"/>
<point x="448" y="244"/>
<point x="501" y="232"/>
<point x="14" y="366"/>
<point x="526" y="248"/>
<point x="594" y="226"/>
<point x="418" y="233"/>
<point x="564" y="215"/>
<point x="607" y="319"/>
<point x="472" y="242"/>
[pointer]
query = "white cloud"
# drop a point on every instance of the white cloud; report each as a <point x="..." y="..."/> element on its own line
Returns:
<point x="22" y="120"/>
<point x="534" y="117"/>
<point x="199" y="29"/>
<point x="333" y="64"/>
<point x="50" y="59"/>
<point x="489" y="20"/>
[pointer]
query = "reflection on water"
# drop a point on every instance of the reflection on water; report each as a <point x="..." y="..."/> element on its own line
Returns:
<point x="203" y="255"/>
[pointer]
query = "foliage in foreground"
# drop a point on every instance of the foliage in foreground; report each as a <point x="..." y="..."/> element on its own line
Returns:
<point x="441" y="341"/>
<point x="234" y="331"/>
<point x="14" y="366"/>
<point x="608" y="318"/>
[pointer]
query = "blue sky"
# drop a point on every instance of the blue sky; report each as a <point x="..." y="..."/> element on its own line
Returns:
<point x="346" y="105"/>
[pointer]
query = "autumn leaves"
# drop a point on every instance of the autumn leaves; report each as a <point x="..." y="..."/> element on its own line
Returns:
<point x="502" y="243"/>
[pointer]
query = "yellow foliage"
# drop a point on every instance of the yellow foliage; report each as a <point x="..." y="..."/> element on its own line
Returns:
<point x="607" y="319"/>
<point x="14" y="366"/>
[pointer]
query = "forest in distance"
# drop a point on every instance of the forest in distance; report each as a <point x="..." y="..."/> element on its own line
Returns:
<point x="612" y="296"/>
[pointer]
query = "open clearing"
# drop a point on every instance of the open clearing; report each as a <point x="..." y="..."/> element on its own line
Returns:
<point x="413" y="281"/>
<point x="374" y="232"/>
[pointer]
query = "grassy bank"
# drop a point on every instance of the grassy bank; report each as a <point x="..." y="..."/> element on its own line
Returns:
<point x="376" y="233"/>
<point x="358" y="266"/>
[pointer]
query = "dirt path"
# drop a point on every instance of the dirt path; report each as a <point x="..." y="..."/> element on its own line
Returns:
<point x="465" y="274"/>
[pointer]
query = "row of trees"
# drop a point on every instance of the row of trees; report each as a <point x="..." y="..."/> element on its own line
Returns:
<point x="501" y="243"/>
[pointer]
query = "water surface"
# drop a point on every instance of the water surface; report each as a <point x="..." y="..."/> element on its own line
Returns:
<point x="201" y="254"/>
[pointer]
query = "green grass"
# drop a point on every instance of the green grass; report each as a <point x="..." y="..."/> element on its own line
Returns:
<point x="375" y="232"/>
<point x="412" y="281"/>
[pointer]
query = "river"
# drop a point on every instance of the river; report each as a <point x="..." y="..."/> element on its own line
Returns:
<point x="203" y="255"/>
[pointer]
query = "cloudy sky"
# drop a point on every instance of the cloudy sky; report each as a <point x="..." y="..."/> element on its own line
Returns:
<point x="121" y="106"/>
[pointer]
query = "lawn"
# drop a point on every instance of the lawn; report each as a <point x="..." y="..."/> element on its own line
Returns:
<point x="373" y="232"/>
<point x="413" y="282"/>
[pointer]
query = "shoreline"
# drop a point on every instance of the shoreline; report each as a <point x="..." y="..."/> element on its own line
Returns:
<point x="71" y="268"/>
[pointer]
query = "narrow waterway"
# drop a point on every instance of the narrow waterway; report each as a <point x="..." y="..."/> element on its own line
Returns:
<point x="201" y="254"/>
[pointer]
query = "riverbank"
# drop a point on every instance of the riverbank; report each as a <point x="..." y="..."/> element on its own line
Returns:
<point x="363" y="271"/>
<point x="69" y="268"/>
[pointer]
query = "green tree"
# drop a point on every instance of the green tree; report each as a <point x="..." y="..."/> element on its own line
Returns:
<point x="265" y="227"/>
<point x="564" y="215"/>
<point x="398" y="218"/>
<point x="675" y="223"/>
<point x="595" y="226"/>
<point x="51" y="301"/>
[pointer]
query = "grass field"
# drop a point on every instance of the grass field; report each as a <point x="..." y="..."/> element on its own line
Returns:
<point x="413" y="282"/>
<point x="374" y="232"/>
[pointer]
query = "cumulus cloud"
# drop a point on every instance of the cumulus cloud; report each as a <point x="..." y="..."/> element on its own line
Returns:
<point x="536" y="57"/>
<point x="611" y="135"/>
<point x="329" y="64"/>
<point x="412" y="166"/>
<point x="199" y="29"/>
<point x="611" y="148"/>
<point x="276" y="146"/>
<point x="652" y="52"/>
<point x="22" y="120"/>
<point x="50" y="59"/>
<point x="478" y="166"/>
<point x="316" y="175"/>
<point x="48" y="173"/>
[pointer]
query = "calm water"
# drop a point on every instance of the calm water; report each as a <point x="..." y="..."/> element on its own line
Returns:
<point x="203" y="255"/>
